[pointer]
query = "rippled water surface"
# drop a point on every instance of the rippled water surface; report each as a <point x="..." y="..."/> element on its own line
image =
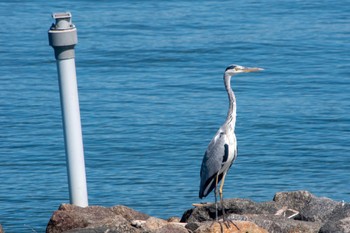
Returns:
<point x="152" y="96"/>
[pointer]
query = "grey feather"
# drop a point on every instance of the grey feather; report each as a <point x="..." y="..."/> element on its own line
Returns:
<point x="215" y="159"/>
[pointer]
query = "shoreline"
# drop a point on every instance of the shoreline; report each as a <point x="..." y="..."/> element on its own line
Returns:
<point x="297" y="211"/>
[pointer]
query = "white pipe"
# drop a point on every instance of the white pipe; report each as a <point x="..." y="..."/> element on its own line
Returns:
<point x="63" y="38"/>
<point x="72" y="132"/>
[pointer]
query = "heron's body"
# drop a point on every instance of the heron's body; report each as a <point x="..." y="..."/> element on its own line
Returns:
<point x="222" y="149"/>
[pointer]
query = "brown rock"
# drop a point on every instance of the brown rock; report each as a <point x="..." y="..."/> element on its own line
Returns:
<point x="230" y="227"/>
<point x="69" y="217"/>
<point x="153" y="223"/>
<point x="173" y="219"/>
<point x="63" y="220"/>
<point x="278" y="224"/>
<point x="172" y="228"/>
<point x="128" y="213"/>
<point x="1" y="230"/>
<point x="105" y="229"/>
<point x="156" y="225"/>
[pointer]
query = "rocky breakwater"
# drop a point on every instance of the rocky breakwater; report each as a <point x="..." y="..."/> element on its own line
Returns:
<point x="288" y="212"/>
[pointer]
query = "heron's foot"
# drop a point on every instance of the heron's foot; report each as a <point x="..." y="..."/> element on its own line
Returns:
<point x="224" y="219"/>
<point x="228" y="224"/>
<point x="221" y="227"/>
<point x="225" y="225"/>
<point x="220" y="224"/>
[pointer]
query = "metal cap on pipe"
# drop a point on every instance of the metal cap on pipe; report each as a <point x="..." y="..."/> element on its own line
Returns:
<point x="63" y="36"/>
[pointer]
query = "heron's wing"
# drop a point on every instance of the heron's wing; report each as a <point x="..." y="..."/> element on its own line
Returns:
<point x="214" y="158"/>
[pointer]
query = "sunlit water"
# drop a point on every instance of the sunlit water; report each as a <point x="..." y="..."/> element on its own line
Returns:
<point x="152" y="96"/>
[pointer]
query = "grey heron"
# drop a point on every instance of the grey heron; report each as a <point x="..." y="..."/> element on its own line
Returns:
<point x="222" y="149"/>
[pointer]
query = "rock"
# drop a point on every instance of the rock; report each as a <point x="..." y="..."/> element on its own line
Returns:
<point x="318" y="210"/>
<point x="172" y="228"/>
<point x="295" y="200"/>
<point x="159" y="225"/>
<point x="192" y="226"/>
<point x="174" y="219"/>
<point x="64" y="220"/>
<point x="230" y="227"/>
<point x="232" y="206"/>
<point x="339" y="220"/>
<point x="154" y="224"/>
<point x="1" y="230"/>
<point x="128" y="213"/>
<point x="310" y="207"/>
<point x="342" y="225"/>
<point x="104" y="229"/>
<point x="278" y="224"/>
<point x="69" y="217"/>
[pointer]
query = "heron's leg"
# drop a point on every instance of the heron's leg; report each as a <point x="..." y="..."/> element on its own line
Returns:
<point x="221" y="196"/>
<point x="216" y="202"/>
<point x="222" y="203"/>
<point x="216" y="197"/>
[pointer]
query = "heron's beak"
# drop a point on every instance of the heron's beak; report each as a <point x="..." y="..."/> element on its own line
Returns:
<point x="251" y="69"/>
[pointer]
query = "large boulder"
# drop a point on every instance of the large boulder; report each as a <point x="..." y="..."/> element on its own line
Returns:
<point x="71" y="218"/>
<point x="339" y="220"/>
<point x="310" y="207"/>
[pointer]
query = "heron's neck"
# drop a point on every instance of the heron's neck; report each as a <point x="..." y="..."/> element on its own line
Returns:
<point x="231" y="115"/>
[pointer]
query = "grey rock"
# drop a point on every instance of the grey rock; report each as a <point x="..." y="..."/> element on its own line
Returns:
<point x="342" y="226"/>
<point x="295" y="200"/>
<point x="318" y="209"/>
<point x="192" y="226"/>
<point x="310" y="207"/>
<point x="231" y="206"/>
<point x="339" y="220"/>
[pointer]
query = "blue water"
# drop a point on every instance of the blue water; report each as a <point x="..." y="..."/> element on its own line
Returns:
<point x="152" y="96"/>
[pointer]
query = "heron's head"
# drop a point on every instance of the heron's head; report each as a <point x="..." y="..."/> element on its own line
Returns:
<point x="234" y="69"/>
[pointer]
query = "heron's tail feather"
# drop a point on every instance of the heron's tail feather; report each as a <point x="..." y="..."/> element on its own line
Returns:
<point x="208" y="185"/>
